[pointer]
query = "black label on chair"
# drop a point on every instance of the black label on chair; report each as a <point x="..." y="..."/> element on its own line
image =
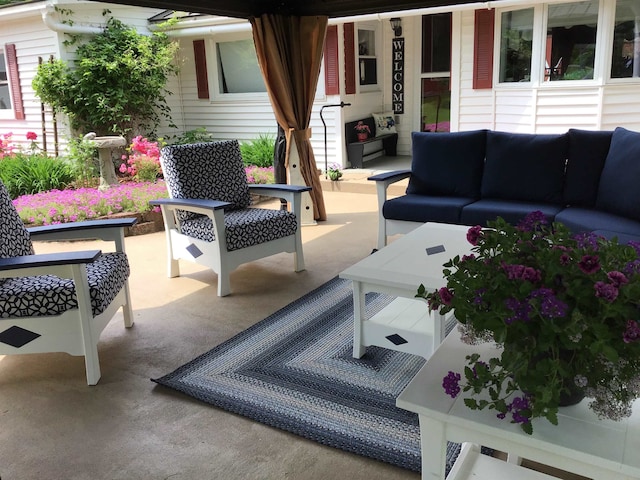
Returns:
<point x="194" y="251"/>
<point x="396" y="339"/>
<point x="17" y="337"/>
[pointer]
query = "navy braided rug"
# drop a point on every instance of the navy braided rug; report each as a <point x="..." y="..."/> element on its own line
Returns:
<point x="295" y="371"/>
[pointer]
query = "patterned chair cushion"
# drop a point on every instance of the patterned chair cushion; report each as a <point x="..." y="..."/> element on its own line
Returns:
<point x="244" y="228"/>
<point x="50" y="295"/>
<point x="15" y="240"/>
<point x="210" y="171"/>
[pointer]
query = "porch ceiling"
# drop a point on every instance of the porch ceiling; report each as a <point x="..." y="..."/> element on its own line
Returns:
<point x="331" y="8"/>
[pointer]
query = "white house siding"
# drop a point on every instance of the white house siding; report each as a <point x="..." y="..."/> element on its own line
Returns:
<point x="545" y="108"/>
<point x="32" y="40"/>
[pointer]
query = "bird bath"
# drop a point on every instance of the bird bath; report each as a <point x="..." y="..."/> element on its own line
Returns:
<point x="105" y="145"/>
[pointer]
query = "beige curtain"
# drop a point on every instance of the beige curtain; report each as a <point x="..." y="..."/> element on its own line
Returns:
<point x="289" y="53"/>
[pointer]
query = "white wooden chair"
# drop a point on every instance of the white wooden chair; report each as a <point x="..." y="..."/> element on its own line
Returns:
<point x="60" y="302"/>
<point x="208" y="219"/>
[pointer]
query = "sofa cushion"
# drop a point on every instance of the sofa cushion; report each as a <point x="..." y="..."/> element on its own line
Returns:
<point x="485" y="210"/>
<point x="587" y="153"/>
<point x="526" y="167"/>
<point x="447" y="163"/>
<point x="619" y="192"/>
<point x="424" y="208"/>
<point x="578" y="219"/>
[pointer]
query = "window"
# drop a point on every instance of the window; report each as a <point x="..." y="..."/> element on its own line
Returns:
<point x="571" y="41"/>
<point x="626" y="40"/>
<point x="516" y="36"/>
<point x="5" y="99"/>
<point x="436" y="73"/>
<point x="367" y="60"/>
<point x="238" y="69"/>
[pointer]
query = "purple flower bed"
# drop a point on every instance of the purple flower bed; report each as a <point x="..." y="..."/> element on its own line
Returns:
<point x="63" y="206"/>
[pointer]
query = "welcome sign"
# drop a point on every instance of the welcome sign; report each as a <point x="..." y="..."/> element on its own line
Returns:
<point x="397" y="84"/>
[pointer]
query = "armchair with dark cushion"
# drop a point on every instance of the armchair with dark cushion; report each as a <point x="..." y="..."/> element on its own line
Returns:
<point x="60" y="302"/>
<point x="208" y="219"/>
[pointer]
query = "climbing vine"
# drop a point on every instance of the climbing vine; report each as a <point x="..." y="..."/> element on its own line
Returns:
<point x="117" y="84"/>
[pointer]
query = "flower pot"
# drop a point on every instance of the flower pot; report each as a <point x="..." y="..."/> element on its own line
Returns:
<point x="362" y="136"/>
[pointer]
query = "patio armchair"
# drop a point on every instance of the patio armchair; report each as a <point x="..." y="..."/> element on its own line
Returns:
<point x="60" y="302"/>
<point x="208" y="219"/>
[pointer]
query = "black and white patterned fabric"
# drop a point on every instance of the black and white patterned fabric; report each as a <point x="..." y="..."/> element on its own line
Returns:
<point x="47" y="294"/>
<point x="209" y="171"/>
<point x="50" y="295"/>
<point x="15" y="240"/>
<point x="244" y="228"/>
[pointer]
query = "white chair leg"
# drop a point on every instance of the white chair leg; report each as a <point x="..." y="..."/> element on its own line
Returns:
<point x="173" y="266"/>
<point x="298" y="255"/>
<point x="92" y="364"/>
<point x="126" y="308"/>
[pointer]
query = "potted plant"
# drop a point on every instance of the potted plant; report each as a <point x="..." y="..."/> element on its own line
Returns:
<point x="564" y="308"/>
<point x="362" y="131"/>
<point x="333" y="172"/>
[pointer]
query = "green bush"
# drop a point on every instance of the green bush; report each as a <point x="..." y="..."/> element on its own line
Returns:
<point x="25" y="174"/>
<point x="258" y="152"/>
<point x="82" y="156"/>
<point x="194" y="136"/>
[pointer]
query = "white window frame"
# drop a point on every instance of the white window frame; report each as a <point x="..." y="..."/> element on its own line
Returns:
<point x="214" y="78"/>
<point x="7" y="113"/>
<point x="375" y="28"/>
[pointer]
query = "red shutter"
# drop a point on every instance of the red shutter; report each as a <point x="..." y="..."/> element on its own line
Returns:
<point x="331" y="70"/>
<point x="349" y="59"/>
<point x="483" y="49"/>
<point x="200" y="59"/>
<point x="14" y="80"/>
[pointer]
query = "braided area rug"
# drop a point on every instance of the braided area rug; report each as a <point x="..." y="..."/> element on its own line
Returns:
<point x="295" y="371"/>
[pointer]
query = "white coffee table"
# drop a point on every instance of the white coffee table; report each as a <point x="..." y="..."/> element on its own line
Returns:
<point x="580" y="443"/>
<point x="399" y="269"/>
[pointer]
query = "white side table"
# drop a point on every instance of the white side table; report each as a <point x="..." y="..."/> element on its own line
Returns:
<point x="399" y="269"/>
<point x="580" y="443"/>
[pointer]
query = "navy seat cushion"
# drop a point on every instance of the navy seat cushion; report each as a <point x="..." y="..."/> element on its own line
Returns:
<point x="526" y="167"/>
<point x="447" y="163"/>
<point x="619" y="192"/>
<point x="423" y="208"/>
<point x="485" y="210"/>
<point x="587" y="153"/>
<point x="579" y="219"/>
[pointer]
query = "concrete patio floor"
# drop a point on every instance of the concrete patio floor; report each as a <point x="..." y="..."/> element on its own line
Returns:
<point x="54" y="426"/>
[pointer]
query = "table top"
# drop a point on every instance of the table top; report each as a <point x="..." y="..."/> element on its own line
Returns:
<point x="579" y="436"/>
<point x="413" y="259"/>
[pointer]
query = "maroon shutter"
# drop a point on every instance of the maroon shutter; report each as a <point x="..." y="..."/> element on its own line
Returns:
<point x="483" y="49"/>
<point x="331" y="70"/>
<point x="200" y="58"/>
<point x="14" y="80"/>
<point x="349" y="59"/>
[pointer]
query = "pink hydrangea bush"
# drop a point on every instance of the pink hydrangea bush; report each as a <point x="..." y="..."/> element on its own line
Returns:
<point x="143" y="161"/>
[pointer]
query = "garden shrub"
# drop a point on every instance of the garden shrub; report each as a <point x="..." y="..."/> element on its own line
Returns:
<point x="24" y="174"/>
<point x="258" y="152"/>
<point x="197" y="135"/>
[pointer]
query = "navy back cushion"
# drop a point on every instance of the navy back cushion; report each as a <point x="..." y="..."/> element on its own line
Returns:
<point x="619" y="189"/>
<point x="447" y="163"/>
<point x="587" y="153"/>
<point x="528" y="167"/>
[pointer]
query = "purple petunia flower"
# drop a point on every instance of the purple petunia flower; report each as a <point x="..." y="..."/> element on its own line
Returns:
<point x="617" y="279"/>
<point x="565" y="259"/>
<point x="531" y="221"/>
<point x="632" y="332"/>
<point x="521" y="272"/>
<point x="606" y="291"/>
<point x="451" y="384"/>
<point x="589" y="264"/>
<point x="518" y="405"/>
<point x="445" y="295"/>
<point x="474" y="234"/>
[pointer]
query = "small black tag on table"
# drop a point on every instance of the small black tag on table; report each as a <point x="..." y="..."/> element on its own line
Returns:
<point x="436" y="249"/>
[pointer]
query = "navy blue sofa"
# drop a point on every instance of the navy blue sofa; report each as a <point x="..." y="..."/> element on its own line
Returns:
<point x="587" y="180"/>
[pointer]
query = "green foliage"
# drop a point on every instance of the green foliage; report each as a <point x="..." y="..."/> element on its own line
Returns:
<point x="25" y="174"/>
<point x="197" y="135"/>
<point x="258" y="152"/>
<point x="82" y="157"/>
<point x="118" y="83"/>
<point x="564" y="309"/>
